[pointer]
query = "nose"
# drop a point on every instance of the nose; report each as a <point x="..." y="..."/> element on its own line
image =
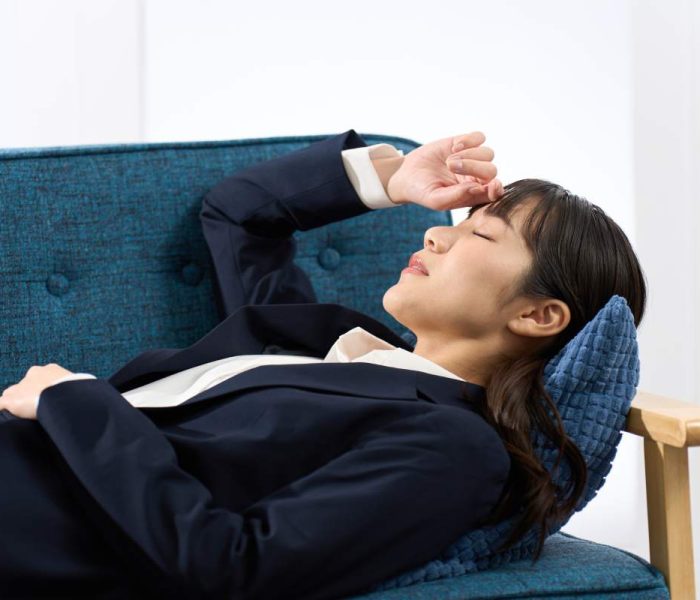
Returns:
<point x="435" y="239"/>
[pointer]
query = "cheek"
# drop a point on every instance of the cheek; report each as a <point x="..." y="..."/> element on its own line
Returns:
<point x="478" y="283"/>
<point x="473" y="274"/>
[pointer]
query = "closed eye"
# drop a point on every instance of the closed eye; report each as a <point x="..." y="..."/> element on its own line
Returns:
<point x="483" y="236"/>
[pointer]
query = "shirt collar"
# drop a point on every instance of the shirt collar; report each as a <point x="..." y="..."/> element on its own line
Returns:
<point x="359" y="345"/>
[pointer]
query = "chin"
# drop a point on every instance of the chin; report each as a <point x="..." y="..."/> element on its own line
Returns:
<point x="387" y="301"/>
<point x="393" y="303"/>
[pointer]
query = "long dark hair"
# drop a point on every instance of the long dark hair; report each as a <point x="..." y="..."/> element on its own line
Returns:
<point x="581" y="257"/>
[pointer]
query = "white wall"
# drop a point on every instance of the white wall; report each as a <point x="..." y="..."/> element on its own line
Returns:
<point x="666" y="71"/>
<point x="552" y="103"/>
<point x="70" y="72"/>
<point x="582" y="93"/>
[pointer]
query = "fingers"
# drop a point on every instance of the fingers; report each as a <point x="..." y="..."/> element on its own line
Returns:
<point x="478" y="168"/>
<point x="478" y="153"/>
<point x="469" y="157"/>
<point x="494" y="189"/>
<point x="468" y="193"/>
<point x="8" y="389"/>
<point x="489" y="192"/>
<point x="468" y="140"/>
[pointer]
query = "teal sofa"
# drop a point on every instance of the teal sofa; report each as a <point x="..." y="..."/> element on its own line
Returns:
<point x="91" y="279"/>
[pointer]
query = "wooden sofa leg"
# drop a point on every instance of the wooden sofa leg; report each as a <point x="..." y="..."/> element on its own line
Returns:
<point x="669" y="516"/>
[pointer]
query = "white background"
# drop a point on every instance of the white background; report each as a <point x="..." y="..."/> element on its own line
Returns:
<point x="600" y="96"/>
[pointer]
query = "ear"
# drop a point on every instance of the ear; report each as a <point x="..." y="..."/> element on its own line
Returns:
<point x="541" y="318"/>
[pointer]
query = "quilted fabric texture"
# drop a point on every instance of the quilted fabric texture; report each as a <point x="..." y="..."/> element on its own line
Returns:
<point x="592" y="381"/>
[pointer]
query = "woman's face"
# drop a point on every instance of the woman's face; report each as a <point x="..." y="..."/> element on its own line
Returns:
<point x="470" y="283"/>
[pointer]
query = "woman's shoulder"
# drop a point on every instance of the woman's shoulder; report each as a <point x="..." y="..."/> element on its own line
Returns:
<point x="468" y="436"/>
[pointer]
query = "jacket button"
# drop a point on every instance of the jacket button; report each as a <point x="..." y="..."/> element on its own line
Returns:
<point x="57" y="284"/>
<point x="192" y="273"/>
<point x="329" y="258"/>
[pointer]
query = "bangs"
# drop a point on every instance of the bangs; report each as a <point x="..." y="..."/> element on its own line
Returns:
<point x="544" y="210"/>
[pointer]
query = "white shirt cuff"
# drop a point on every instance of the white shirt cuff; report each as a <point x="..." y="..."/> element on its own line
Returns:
<point x="363" y="176"/>
<point x="69" y="377"/>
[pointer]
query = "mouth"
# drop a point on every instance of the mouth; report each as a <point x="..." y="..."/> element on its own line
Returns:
<point x="415" y="265"/>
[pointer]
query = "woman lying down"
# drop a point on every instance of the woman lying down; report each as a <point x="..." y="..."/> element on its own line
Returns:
<point x="303" y="449"/>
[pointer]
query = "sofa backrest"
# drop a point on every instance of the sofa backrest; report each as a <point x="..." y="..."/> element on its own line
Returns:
<point x="103" y="255"/>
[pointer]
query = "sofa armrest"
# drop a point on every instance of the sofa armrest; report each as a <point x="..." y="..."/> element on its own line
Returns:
<point x="665" y="420"/>
<point x="669" y="427"/>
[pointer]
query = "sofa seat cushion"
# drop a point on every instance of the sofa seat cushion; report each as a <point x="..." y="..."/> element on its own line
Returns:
<point x="569" y="567"/>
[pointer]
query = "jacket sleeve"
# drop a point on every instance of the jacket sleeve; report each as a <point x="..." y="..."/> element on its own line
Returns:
<point x="248" y="220"/>
<point x="393" y="501"/>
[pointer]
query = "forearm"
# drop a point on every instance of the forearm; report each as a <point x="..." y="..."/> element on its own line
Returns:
<point x="183" y="543"/>
<point x="153" y="512"/>
<point x="300" y="190"/>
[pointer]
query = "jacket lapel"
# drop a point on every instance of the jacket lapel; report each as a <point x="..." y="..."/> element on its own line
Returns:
<point x="351" y="379"/>
<point x="355" y="379"/>
<point x="309" y="329"/>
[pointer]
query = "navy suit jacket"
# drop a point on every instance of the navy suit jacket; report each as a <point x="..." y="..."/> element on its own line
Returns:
<point x="285" y="481"/>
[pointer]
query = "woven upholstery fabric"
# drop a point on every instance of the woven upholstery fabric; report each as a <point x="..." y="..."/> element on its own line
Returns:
<point x="569" y="567"/>
<point x="103" y="257"/>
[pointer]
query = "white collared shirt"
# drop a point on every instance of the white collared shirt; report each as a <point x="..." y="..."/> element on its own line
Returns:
<point x="352" y="346"/>
<point x="355" y="345"/>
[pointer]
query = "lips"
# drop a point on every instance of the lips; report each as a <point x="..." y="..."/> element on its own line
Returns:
<point x="416" y="263"/>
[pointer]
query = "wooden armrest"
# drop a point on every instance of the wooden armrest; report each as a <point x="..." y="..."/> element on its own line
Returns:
<point x="668" y="427"/>
<point x="665" y="420"/>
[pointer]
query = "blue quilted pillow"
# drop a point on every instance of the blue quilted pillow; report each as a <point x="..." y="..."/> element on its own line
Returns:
<point x="592" y="381"/>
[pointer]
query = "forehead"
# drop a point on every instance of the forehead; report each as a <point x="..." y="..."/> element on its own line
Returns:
<point x="506" y="220"/>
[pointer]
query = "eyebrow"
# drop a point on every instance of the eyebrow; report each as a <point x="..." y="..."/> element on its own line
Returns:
<point x="502" y="218"/>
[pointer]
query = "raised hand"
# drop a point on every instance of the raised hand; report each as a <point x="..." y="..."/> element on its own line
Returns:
<point x="429" y="177"/>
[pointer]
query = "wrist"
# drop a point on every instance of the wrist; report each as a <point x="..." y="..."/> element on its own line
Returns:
<point x="385" y="168"/>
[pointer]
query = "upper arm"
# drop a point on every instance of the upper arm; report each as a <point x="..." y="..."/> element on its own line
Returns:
<point x="253" y="259"/>
<point x="249" y="218"/>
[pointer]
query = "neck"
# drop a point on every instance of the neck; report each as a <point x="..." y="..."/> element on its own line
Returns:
<point x="471" y="360"/>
